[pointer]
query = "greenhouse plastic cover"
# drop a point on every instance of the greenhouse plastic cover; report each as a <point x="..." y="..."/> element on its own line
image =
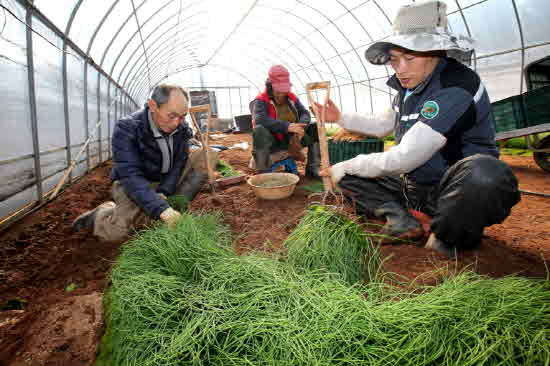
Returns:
<point x="78" y="65"/>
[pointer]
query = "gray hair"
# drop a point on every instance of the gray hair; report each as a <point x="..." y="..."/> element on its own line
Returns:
<point x="161" y="93"/>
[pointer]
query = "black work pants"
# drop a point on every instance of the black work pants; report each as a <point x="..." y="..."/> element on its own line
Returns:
<point x="474" y="193"/>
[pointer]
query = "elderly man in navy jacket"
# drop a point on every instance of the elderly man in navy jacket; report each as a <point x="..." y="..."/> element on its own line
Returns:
<point x="151" y="161"/>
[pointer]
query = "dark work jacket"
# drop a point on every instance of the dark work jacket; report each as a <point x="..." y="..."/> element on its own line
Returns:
<point x="264" y="114"/>
<point x="137" y="161"/>
<point x="453" y="102"/>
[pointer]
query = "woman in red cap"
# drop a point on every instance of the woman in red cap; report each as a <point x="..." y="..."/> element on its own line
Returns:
<point x="282" y="126"/>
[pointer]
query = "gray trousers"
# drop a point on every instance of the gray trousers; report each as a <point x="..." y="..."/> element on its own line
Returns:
<point x="114" y="221"/>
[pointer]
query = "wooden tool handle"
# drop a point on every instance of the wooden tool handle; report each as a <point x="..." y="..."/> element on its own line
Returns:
<point x="204" y="137"/>
<point x="200" y="108"/>
<point x="323" y="143"/>
<point x="318" y="85"/>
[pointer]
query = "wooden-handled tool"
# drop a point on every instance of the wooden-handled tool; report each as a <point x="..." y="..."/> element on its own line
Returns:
<point x="323" y="144"/>
<point x="204" y="138"/>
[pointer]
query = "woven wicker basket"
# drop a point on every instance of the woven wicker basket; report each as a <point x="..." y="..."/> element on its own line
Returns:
<point x="276" y="192"/>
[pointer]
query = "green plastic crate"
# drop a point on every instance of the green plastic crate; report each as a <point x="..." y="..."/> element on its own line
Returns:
<point x="522" y="111"/>
<point x="345" y="150"/>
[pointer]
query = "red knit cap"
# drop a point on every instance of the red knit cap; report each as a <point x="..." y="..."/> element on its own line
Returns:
<point x="280" y="78"/>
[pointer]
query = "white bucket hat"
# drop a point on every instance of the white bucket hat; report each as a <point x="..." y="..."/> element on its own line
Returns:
<point x="422" y="27"/>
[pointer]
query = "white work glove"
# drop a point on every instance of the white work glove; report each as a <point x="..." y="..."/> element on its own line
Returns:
<point x="335" y="172"/>
<point x="338" y="171"/>
<point x="170" y="216"/>
<point x="162" y="196"/>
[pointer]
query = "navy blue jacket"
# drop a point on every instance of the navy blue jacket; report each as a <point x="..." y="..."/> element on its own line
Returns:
<point x="137" y="161"/>
<point x="453" y="102"/>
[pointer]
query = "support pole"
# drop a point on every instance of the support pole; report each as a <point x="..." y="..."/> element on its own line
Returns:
<point x="32" y="100"/>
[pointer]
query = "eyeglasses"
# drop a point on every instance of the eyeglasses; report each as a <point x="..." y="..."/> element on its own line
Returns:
<point x="174" y="116"/>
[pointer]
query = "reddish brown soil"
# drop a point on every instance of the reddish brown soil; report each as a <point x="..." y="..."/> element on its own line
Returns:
<point x="40" y="257"/>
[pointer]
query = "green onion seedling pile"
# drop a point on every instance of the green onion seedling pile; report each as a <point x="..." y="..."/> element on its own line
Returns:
<point x="182" y="297"/>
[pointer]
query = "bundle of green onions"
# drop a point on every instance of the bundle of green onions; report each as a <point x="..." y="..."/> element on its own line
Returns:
<point x="325" y="240"/>
<point x="182" y="297"/>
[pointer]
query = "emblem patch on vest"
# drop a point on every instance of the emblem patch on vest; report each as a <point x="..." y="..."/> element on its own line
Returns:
<point x="430" y="110"/>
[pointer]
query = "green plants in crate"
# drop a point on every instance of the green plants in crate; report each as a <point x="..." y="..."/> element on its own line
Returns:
<point x="345" y="150"/>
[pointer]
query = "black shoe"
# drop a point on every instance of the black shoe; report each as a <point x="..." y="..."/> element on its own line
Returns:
<point x="400" y="224"/>
<point x="190" y="187"/>
<point x="440" y="247"/>
<point x="87" y="219"/>
<point x="313" y="164"/>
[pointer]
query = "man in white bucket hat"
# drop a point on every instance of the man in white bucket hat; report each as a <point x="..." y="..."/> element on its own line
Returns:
<point x="422" y="28"/>
<point x="445" y="161"/>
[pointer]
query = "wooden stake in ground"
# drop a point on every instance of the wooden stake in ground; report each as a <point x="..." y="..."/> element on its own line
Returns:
<point x="204" y="138"/>
<point x="323" y="144"/>
<point x="53" y="193"/>
<point x="73" y="164"/>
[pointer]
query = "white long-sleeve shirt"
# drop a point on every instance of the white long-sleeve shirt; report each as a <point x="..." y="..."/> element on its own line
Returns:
<point x="417" y="146"/>
<point x="378" y="126"/>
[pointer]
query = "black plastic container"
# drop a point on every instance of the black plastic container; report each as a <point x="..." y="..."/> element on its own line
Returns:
<point x="244" y="122"/>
